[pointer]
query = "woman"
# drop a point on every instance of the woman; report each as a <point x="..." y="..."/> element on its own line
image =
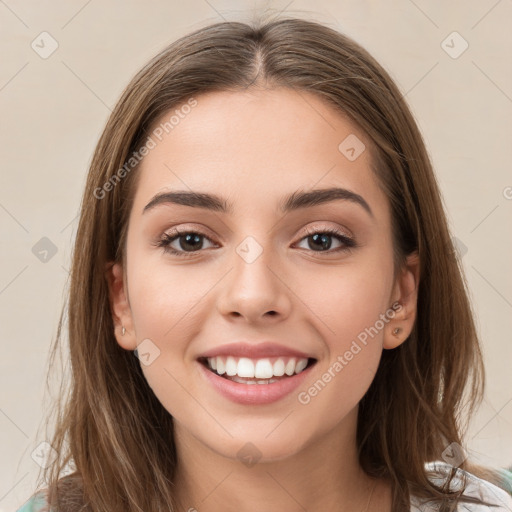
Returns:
<point x="266" y="310"/>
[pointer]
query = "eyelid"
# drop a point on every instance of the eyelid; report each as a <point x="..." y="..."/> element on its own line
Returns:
<point x="191" y="228"/>
<point x="308" y="230"/>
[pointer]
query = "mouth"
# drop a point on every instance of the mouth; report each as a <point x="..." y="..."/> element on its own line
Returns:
<point x="249" y="371"/>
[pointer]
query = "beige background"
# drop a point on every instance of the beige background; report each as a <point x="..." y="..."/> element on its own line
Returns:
<point x="54" y="109"/>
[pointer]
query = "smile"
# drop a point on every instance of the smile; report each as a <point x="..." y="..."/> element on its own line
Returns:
<point x="267" y="370"/>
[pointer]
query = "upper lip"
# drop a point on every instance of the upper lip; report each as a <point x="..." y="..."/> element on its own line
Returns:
<point x="254" y="351"/>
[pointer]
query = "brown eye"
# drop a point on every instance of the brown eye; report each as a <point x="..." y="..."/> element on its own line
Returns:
<point x="321" y="240"/>
<point x="184" y="242"/>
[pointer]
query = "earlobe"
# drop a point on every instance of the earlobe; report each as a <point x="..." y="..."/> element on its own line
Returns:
<point x="405" y="293"/>
<point x="120" y="307"/>
<point x="395" y="336"/>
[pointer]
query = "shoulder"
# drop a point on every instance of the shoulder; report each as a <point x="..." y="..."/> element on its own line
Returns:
<point x="36" y="503"/>
<point x="498" y="499"/>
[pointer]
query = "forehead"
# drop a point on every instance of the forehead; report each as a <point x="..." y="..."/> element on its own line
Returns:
<point x="256" y="146"/>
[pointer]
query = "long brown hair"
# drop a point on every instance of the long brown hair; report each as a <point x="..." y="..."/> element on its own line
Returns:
<point x="111" y="431"/>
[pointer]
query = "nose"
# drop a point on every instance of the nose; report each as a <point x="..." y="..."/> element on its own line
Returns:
<point x="255" y="291"/>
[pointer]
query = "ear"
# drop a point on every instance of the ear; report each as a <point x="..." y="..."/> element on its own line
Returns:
<point x="405" y="301"/>
<point x="120" y="306"/>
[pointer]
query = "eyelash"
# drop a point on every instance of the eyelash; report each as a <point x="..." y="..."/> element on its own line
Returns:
<point x="176" y="233"/>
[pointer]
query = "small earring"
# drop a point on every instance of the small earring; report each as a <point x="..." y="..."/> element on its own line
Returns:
<point x="396" y="331"/>
<point x="123" y="331"/>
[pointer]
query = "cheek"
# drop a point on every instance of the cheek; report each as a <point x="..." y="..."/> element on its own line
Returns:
<point x="346" y="301"/>
<point x="350" y="305"/>
<point x="162" y="304"/>
<point x="159" y="309"/>
<point x="353" y="332"/>
<point x="163" y="298"/>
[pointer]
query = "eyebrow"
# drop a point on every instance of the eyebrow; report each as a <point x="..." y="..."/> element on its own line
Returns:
<point x="295" y="201"/>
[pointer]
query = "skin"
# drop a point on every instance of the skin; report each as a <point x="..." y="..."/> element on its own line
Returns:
<point x="254" y="148"/>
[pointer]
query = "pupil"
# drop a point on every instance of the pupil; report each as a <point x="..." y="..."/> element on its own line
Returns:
<point x="323" y="239"/>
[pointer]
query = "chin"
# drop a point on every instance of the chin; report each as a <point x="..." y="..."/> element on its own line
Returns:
<point x="250" y="450"/>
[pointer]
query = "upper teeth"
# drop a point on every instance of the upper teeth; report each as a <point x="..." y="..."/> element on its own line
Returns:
<point x="259" y="368"/>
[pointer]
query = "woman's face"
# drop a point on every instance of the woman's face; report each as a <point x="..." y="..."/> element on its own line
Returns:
<point x="257" y="280"/>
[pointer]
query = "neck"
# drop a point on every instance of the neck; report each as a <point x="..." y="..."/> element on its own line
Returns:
<point x="324" y="475"/>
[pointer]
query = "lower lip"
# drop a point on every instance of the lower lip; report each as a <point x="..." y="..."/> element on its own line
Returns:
<point x="254" y="394"/>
